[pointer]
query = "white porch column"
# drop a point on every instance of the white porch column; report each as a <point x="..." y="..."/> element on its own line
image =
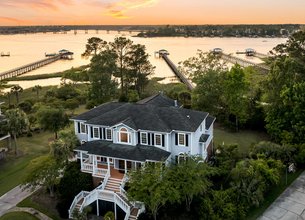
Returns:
<point x="168" y="147"/>
<point x="115" y="215"/>
<point x="108" y="164"/>
<point x="93" y="164"/>
<point x="97" y="208"/>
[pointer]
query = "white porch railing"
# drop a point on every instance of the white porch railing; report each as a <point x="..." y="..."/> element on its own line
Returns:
<point x="103" y="185"/>
<point x="140" y="206"/>
<point x="100" y="172"/>
<point x="100" y="193"/>
<point x="123" y="205"/>
<point x="87" y="167"/>
<point x="124" y="181"/>
<point x="77" y="198"/>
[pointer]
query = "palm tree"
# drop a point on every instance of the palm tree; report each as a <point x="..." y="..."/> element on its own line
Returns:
<point x="16" y="89"/>
<point x="3" y="85"/>
<point x="16" y="122"/>
<point x="36" y="89"/>
<point x="8" y="94"/>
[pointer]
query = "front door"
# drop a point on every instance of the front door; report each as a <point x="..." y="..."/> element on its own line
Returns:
<point x="122" y="165"/>
<point x="129" y="165"/>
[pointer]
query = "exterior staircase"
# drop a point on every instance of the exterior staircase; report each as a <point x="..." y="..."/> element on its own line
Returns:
<point x="111" y="190"/>
<point x="133" y="214"/>
<point x="113" y="185"/>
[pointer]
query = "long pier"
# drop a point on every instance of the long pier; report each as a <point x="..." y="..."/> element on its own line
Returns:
<point x="175" y="70"/>
<point x="32" y="66"/>
<point x="242" y="62"/>
<point x="260" y="55"/>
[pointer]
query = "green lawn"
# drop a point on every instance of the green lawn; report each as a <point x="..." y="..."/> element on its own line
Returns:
<point x="243" y="138"/>
<point x="45" y="205"/>
<point x="13" y="169"/>
<point x="18" y="216"/>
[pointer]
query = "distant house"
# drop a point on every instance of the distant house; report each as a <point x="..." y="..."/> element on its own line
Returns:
<point x="117" y="137"/>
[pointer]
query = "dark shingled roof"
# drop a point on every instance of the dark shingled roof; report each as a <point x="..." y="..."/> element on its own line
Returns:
<point x="204" y="137"/>
<point x="151" y="117"/>
<point x="129" y="152"/>
<point x="159" y="100"/>
<point x="156" y="113"/>
<point x="209" y="121"/>
<point x="99" y="110"/>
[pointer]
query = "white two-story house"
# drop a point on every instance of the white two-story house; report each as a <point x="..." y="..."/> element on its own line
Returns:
<point x="117" y="137"/>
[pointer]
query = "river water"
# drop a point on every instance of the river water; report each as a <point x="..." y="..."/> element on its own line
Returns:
<point x="27" y="48"/>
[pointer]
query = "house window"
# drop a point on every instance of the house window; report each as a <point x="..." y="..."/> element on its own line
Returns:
<point x="108" y="134"/>
<point x="82" y="128"/>
<point x="201" y="127"/>
<point x="182" y="157"/>
<point x="158" y="140"/>
<point x="181" y="139"/>
<point x="144" y="138"/>
<point x="124" y="135"/>
<point x="96" y="132"/>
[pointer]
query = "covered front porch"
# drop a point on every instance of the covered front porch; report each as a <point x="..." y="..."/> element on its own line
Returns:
<point x="99" y="166"/>
<point x="101" y="158"/>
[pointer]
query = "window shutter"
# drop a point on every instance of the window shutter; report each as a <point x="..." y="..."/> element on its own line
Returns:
<point x="152" y="139"/>
<point x="104" y="133"/>
<point x="187" y="140"/>
<point x="91" y="131"/>
<point x="139" y="141"/>
<point x="148" y="138"/>
<point x="101" y="133"/>
<point x="86" y="129"/>
<point x="163" y="140"/>
<point x="78" y="127"/>
<point x="176" y="139"/>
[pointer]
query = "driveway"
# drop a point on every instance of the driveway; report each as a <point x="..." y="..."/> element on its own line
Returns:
<point x="290" y="205"/>
<point x="12" y="198"/>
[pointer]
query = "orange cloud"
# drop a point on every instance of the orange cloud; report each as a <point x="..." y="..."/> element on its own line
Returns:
<point x="9" y="19"/>
<point x="35" y="4"/>
<point x="118" y="9"/>
<point x="117" y="14"/>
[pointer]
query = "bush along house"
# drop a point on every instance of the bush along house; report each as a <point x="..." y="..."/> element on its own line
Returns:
<point x="117" y="137"/>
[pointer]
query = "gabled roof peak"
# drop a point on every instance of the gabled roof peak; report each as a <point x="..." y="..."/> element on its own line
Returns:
<point x="160" y="100"/>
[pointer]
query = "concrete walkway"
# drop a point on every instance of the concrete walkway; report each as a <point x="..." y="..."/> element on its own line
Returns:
<point x="12" y="198"/>
<point x="290" y="205"/>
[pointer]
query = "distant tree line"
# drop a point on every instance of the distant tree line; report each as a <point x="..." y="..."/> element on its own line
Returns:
<point x="63" y="28"/>
<point x="283" y="30"/>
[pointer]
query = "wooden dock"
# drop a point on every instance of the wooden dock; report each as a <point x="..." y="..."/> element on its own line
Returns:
<point x="243" y="62"/>
<point x="260" y="55"/>
<point x="32" y="66"/>
<point x="175" y="70"/>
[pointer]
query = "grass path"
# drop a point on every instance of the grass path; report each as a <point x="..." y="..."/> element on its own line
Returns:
<point x="245" y="138"/>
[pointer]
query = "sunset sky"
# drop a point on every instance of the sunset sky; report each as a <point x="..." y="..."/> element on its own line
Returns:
<point x="73" y="12"/>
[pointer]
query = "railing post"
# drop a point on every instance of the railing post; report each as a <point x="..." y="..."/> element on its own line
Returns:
<point x="115" y="214"/>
